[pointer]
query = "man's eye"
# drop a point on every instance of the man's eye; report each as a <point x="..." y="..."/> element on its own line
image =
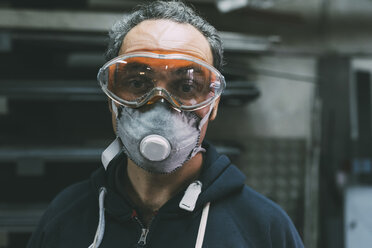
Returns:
<point x="186" y="88"/>
<point x="137" y="84"/>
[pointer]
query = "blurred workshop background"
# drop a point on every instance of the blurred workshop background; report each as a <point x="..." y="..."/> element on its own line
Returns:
<point x="295" y="117"/>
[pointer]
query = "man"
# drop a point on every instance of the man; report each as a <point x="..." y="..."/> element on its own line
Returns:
<point x="161" y="185"/>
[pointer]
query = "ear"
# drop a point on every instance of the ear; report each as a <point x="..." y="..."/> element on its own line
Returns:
<point x="214" y="110"/>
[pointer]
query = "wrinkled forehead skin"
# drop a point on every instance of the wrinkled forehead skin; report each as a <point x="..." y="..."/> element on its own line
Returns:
<point x="168" y="37"/>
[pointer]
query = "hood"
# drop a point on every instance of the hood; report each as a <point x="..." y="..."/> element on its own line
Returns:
<point x="219" y="179"/>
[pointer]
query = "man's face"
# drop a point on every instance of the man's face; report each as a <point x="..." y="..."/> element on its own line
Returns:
<point x="169" y="36"/>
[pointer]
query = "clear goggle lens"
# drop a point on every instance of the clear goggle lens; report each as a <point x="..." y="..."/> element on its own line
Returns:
<point x="136" y="79"/>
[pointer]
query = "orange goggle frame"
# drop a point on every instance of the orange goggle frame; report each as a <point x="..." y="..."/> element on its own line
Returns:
<point x="140" y="78"/>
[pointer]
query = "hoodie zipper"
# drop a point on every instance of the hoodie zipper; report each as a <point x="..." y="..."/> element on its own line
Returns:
<point x="142" y="240"/>
<point x="188" y="203"/>
<point x="144" y="232"/>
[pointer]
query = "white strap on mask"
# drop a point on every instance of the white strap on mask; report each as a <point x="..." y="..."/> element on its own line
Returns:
<point x="201" y="124"/>
<point x="114" y="108"/>
<point x="206" y="117"/>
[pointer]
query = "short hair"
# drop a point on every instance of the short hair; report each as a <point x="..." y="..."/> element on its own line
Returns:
<point x="176" y="11"/>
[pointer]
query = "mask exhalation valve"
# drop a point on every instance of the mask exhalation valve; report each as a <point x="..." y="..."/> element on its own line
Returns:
<point x="155" y="147"/>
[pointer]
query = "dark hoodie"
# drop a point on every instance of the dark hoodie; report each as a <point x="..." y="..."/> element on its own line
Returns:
<point x="238" y="216"/>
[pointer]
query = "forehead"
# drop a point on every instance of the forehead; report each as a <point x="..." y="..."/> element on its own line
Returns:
<point x="144" y="62"/>
<point x="167" y="36"/>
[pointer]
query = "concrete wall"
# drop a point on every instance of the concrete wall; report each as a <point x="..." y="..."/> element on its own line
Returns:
<point x="287" y="87"/>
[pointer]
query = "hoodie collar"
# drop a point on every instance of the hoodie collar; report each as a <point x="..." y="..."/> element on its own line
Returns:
<point x="116" y="205"/>
<point x="219" y="178"/>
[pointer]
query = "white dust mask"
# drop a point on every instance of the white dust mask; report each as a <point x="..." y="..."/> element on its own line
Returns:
<point x="157" y="137"/>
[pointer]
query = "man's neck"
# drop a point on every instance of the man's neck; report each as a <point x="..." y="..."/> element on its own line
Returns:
<point x="149" y="191"/>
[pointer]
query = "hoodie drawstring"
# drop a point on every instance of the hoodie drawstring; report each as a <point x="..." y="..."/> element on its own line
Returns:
<point x="101" y="223"/>
<point x="202" y="226"/>
<point x="188" y="203"/>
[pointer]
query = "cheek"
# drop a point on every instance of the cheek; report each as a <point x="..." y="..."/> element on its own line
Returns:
<point x="202" y="112"/>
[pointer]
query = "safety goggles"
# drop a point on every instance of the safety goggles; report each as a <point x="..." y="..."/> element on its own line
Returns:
<point x="140" y="78"/>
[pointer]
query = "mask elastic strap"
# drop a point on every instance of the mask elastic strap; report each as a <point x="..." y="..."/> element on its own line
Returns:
<point x="114" y="108"/>
<point x="206" y="117"/>
<point x="201" y="124"/>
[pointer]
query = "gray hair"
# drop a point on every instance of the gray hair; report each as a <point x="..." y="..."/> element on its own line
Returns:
<point x="173" y="10"/>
